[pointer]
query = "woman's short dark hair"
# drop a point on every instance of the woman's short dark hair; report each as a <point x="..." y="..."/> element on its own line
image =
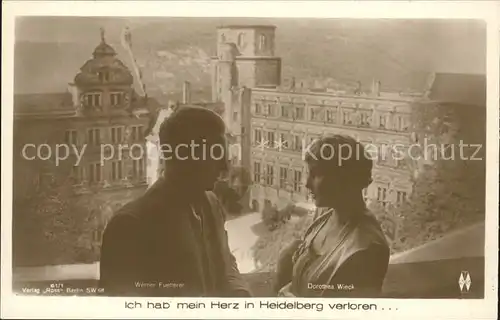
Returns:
<point x="341" y="153"/>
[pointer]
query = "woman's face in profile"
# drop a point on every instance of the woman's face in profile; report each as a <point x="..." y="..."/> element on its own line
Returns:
<point x="316" y="184"/>
<point x="325" y="188"/>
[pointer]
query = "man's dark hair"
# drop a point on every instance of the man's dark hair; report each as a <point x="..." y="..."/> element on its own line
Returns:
<point x="188" y="125"/>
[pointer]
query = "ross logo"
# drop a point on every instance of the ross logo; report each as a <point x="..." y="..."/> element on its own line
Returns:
<point x="464" y="281"/>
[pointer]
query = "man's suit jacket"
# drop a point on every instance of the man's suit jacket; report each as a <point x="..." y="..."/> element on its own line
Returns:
<point x="154" y="247"/>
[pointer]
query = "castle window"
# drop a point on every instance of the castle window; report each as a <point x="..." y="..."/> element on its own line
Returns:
<point x="314" y="114"/>
<point x="296" y="143"/>
<point x="346" y="117"/>
<point x="103" y="76"/>
<point x="94" y="136"/>
<point x="116" y="170"/>
<point x="401" y="123"/>
<point x="269" y="175"/>
<point x="257" y="108"/>
<point x="116" y="98"/>
<point x="97" y="235"/>
<point x="401" y="196"/>
<point x="95" y="172"/>
<point x="93" y="99"/>
<point x="137" y="133"/>
<point x="235" y="116"/>
<point x="284" y="111"/>
<point x="76" y="174"/>
<point x="297" y="180"/>
<point x="383" y="121"/>
<point x="365" y="194"/>
<point x="383" y="153"/>
<point x="299" y="113"/>
<point x="222" y="38"/>
<point x="70" y="137"/>
<point x="283" y="141"/>
<point x="283" y="177"/>
<point x="382" y="195"/>
<point x="256" y="172"/>
<point x="117" y="134"/>
<point x="330" y="116"/>
<point x="257" y="136"/>
<point x="240" y="39"/>
<point x="364" y="119"/>
<point x="274" y="110"/>
<point x="138" y="169"/>
<point x="267" y="108"/>
<point x="262" y="42"/>
<point x="270" y="139"/>
<point x="400" y="163"/>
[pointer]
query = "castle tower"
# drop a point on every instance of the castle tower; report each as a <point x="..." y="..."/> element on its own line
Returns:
<point x="255" y="59"/>
<point x="245" y="60"/>
<point x="228" y="81"/>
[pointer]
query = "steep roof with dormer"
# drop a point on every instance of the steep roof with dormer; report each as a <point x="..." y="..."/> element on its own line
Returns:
<point x="103" y="69"/>
<point x="104" y="66"/>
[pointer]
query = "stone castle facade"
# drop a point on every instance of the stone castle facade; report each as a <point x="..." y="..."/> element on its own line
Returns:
<point x="100" y="108"/>
<point x="273" y="124"/>
<point x="270" y="124"/>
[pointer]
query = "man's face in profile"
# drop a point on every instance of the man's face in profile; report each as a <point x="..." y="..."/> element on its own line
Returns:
<point x="212" y="162"/>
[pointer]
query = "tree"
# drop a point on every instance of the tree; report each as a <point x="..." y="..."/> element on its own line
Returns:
<point x="52" y="223"/>
<point x="233" y="189"/>
<point x="448" y="189"/>
<point x="240" y="180"/>
<point x="274" y="218"/>
<point x="228" y="196"/>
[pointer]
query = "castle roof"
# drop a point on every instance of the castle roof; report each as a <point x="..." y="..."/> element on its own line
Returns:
<point x="38" y="104"/>
<point x="60" y="104"/>
<point x="104" y="59"/>
<point x="103" y="50"/>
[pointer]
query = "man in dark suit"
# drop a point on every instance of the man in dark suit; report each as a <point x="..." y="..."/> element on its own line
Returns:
<point x="171" y="241"/>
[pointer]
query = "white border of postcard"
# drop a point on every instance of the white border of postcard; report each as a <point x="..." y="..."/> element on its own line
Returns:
<point x="93" y="307"/>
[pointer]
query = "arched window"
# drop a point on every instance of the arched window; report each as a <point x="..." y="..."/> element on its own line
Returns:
<point x="222" y="38"/>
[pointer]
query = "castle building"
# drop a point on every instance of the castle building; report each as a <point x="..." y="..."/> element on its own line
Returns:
<point x="271" y="125"/>
<point x="274" y="125"/>
<point x="100" y="118"/>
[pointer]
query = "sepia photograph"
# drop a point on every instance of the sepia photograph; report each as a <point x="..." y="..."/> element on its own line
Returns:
<point x="210" y="157"/>
<point x="198" y="162"/>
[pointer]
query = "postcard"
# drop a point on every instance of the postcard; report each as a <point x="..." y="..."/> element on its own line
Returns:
<point x="243" y="160"/>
